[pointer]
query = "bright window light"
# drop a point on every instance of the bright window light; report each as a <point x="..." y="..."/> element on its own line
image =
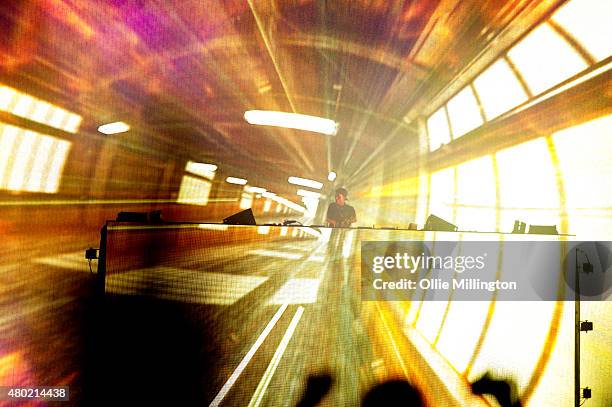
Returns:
<point x="73" y="123"/>
<point x="236" y="181"/>
<point x="30" y="161"/>
<point x="292" y="121"/>
<point x="8" y="139"/>
<point x="309" y="194"/>
<point x="41" y="111"/>
<point x="31" y="108"/>
<point x="476" y="195"/>
<point x="58" y="117"/>
<point x="305" y="182"/>
<point x="24" y="105"/>
<point x="254" y="190"/>
<point x="7" y="97"/>
<point x="22" y="159"/>
<point x="114" y="128"/>
<point x="584" y="153"/>
<point x="246" y="201"/>
<point x="527" y="185"/>
<point x="437" y="126"/>
<point x="442" y="194"/>
<point x="544" y="59"/>
<point x="499" y="89"/>
<point x="194" y="191"/>
<point x="311" y="204"/>
<point x="202" y="169"/>
<point x="588" y="21"/>
<point x="267" y="205"/>
<point x="57" y="165"/>
<point x="464" y="112"/>
<point x="331" y="176"/>
<point x="45" y="147"/>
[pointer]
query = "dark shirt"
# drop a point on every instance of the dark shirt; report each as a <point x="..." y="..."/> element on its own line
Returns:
<point x="343" y="215"/>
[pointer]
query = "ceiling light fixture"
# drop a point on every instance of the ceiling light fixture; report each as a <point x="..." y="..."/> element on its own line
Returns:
<point x="331" y="176"/>
<point x="114" y="128"/>
<point x="291" y="121"/>
<point x="202" y="169"/>
<point x="237" y="181"/>
<point x="256" y="190"/>
<point x="304" y="182"/>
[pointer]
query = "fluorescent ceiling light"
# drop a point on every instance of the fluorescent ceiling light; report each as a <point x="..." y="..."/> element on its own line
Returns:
<point x="201" y="169"/>
<point x="305" y="182"/>
<point x="308" y="194"/>
<point x="292" y="121"/>
<point x="331" y="176"/>
<point x="114" y="128"/>
<point x="268" y="194"/>
<point x="256" y="190"/>
<point x="237" y="181"/>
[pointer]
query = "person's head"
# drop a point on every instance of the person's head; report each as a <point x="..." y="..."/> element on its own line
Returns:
<point x="341" y="195"/>
<point x="393" y="393"/>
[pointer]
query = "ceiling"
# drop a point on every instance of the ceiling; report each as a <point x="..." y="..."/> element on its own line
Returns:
<point x="183" y="72"/>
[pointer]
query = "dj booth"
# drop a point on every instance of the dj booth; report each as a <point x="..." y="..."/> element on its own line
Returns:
<point x="222" y="283"/>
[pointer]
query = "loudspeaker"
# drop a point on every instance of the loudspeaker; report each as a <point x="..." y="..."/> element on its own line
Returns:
<point x="244" y="217"/>
<point x="543" y="230"/>
<point x="439" y="224"/>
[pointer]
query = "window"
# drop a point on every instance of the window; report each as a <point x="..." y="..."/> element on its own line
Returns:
<point x="464" y="112"/>
<point x="437" y="128"/>
<point x="194" y="191"/>
<point x="476" y="195"/>
<point x="499" y="89"/>
<point x="544" y="59"/>
<point x="528" y="185"/>
<point x="588" y="21"/>
<point x="442" y="194"/>
<point x="30" y="161"/>
<point x="585" y="161"/>
<point x="28" y="107"/>
<point x="246" y="201"/>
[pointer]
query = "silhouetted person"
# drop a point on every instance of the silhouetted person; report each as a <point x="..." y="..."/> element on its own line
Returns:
<point x="316" y="388"/>
<point x="500" y="389"/>
<point x="339" y="214"/>
<point x="393" y="393"/>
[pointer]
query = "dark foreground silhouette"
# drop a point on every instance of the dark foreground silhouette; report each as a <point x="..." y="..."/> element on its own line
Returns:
<point x="402" y="393"/>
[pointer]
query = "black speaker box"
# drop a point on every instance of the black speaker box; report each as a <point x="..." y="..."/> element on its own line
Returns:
<point x="439" y="224"/>
<point x="244" y="217"/>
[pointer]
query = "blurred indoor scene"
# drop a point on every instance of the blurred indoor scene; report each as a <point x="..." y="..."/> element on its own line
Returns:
<point x="438" y="120"/>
